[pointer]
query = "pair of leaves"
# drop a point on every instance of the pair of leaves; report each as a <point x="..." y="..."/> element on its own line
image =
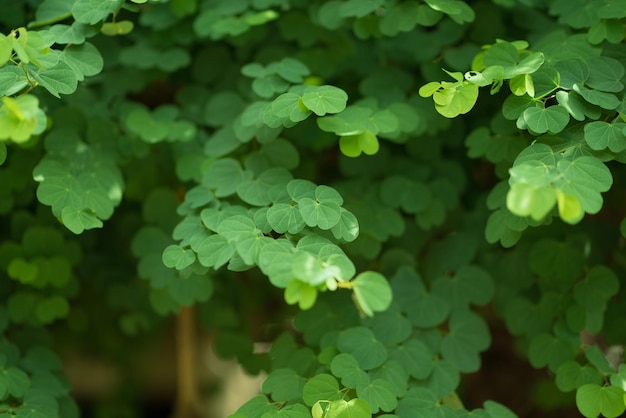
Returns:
<point x="593" y="400"/>
<point x="21" y="118"/>
<point x="371" y="290"/>
<point x="451" y="99"/>
<point x="297" y="104"/>
<point x="305" y="204"/>
<point x="574" y="185"/>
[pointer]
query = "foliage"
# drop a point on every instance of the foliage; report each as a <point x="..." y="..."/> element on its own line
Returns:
<point x="161" y="154"/>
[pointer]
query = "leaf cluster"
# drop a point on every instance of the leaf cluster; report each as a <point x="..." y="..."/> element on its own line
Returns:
<point x="280" y="166"/>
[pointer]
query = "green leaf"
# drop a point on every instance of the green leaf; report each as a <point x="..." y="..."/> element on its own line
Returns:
<point x="526" y="199"/>
<point x="571" y="375"/>
<point x="12" y="80"/>
<point x="372" y="292"/>
<point x="552" y="119"/>
<point x="290" y="105"/>
<point x="605" y="74"/>
<point x="455" y="98"/>
<point x="3" y="153"/>
<point x="572" y="71"/>
<point x="61" y="79"/>
<point x="599" y="98"/>
<point x="358" y="8"/>
<point x="94" y="11"/>
<point x="600" y="135"/>
<point x="174" y="256"/>
<point x="416" y="358"/>
<point x="38" y="405"/>
<point x="321" y="387"/>
<point x="444" y="379"/>
<point x="292" y="70"/>
<point x="361" y="343"/>
<point x="224" y="176"/>
<point x="609" y="29"/>
<point x="25" y="272"/>
<point x="599" y="285"/>
<point x="421" y="402"/>
<point x="585" y="178"/>
<point x="52" y="308"/>
<point x="598" y="359"/>
<point x="545" y="81"/>
<point x="378" y="394"/>
<point x="347" y="368"/>
<point x="78" y="220"/>
<point x="389" y="326"/>
<point x="354" y="408"/>
<point x="577" y="107"/>
<point x="20" y="118"/>
<point x="6" y="48"/>
<point x="548" y="350"/>
<point x="84" y="59"/>
<point x="497" y="410"/>
<point x="514" y="106"/>
<point x="215" y="251"/>
<point x="122" y="27"/>
<point x="299" y="189"/>
<point x="324" y="214"/>
<point x="312" y="270"/>
<point x="593" y="400"/>
<point x="394" y="373"/>
<point x="502" y="53"/>
<point x="324" y="99"/>
<point x="348" y="226"/>
<point x="301" y="293"/>
<point x="15" y="381"/>
<point x="467" y="337"/>
<point x="364" y="142"/>
<point x="256" y="407"/>
<point x="256" y="191"/>
<point x="284" y="217"/>
<point x="470" y="284"/>
<point x="284" y="385"/>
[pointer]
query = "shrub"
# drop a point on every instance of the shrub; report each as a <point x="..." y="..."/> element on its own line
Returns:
<point x="158" y="155"/>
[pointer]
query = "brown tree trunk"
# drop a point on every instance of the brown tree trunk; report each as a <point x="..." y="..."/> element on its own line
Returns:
<point x="187" y="396"/>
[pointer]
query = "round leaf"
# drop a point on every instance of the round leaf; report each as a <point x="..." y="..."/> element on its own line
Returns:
<point x="363" y="345"/>
<point x="593" y="400"/>
<point x="325" y="99"/>
<point x="372" y="292"/>
<point x="321" y="387"/>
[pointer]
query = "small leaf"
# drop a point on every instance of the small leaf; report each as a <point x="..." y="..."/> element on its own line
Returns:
<point x="94" y="11"/>
<point x="301" y="293"/>
<point x="593" y="400"/>
<point x="378" y="394"/>
<point x="456" y="100"/>
<point x="325" y="99"/>
<point x="284" y="217"/>
<point x="324" y="214"/>
<point x="372" y="292"/>
<point x="552" y="119"/>
<point x="284" y="385"/>
<point x="78" y="220"/>
<point x="122" y="27"/>
<point x="361" y="343"/>
<point x="174" y="256"/>
<point x="600" y="135"/>
<point x="321" y="387"/>
<point x="346" y="367"/>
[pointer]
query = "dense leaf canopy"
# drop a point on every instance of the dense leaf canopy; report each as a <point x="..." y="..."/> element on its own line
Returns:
<point x="392" y="177"/>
